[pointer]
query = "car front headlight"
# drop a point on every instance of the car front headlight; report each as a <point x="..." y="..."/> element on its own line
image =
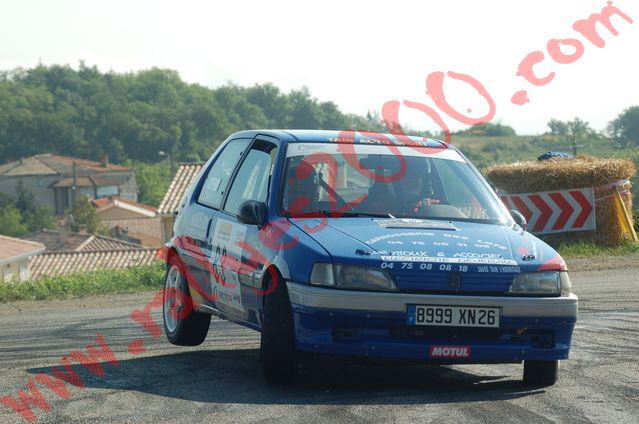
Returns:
<point x="541" y="283"/>
<point x="566" y="285"/>
<point x="351" y="277"/>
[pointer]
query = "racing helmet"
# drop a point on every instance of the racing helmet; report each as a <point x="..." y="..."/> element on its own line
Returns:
<point x="302" y="187"/>
<point x="411" y="186"/>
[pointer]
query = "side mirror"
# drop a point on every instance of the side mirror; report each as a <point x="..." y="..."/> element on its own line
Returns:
<point x="251" y="212"/>
<point x="519" y="218"/>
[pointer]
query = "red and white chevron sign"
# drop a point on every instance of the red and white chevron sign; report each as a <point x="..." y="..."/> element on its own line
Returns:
<point x="555" y="211"/>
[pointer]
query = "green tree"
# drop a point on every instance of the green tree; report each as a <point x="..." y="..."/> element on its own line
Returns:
<point x="578" y="130"/>
<point x="490" y="129"/>
<point x="11" y="222"/>
<point x="20" y="214"/>
<point x="84" y="214"/>
<point x="153" y="180"/>
<point x="558" y="127"/>
<point x="575" y="132"/>
<point x="35" y="217"/>
<point x="305" y="113"/>
<point x="625" y="128"/>
<point x="83" y="113"/>
<point x="273" y="102"/>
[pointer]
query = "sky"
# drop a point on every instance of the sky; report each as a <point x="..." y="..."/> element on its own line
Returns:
<point x="358" y="54"/>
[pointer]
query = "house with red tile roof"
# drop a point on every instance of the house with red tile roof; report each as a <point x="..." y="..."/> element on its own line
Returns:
<point x="15" y="257"/>
<point x="57" y="180"/>
<point x="114" y="207"/>
<point x="63" y="240"/>
<point x="130" y="220"/>
<point x="65" y="262"/>
<point x="61" y="253"/>
<point x="174" y="195"/>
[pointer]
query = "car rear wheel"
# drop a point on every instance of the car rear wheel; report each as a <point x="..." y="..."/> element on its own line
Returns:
<point x="280" y="359"/>
<point x="541" y="373"/>
<point x="182" y="325"/>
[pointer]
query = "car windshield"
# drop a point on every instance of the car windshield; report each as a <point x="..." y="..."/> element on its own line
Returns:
<point x="401" y="182"/>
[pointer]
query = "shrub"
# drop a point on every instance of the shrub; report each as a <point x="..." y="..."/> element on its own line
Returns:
<point x="129" y="280"/>
<point x="491" y="130"/>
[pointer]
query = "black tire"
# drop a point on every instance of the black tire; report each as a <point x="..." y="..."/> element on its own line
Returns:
<point x="541" y="373"/>
<point x="281" y="362"/>
<point x="190" y="329"/>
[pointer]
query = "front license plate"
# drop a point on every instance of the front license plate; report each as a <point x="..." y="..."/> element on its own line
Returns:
<point x="453" y="316"/>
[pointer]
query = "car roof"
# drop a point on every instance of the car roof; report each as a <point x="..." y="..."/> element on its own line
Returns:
<point x="346" y="136"/>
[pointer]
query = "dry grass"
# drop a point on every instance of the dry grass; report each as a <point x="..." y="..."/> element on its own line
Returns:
<point x="560" y="173"/>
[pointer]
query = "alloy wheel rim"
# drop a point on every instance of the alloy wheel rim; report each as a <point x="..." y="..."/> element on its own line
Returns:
<point x="174" y="300"/>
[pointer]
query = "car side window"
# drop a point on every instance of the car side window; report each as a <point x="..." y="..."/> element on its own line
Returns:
<point x="218" y="177"/>
<point x="251" y="181"/>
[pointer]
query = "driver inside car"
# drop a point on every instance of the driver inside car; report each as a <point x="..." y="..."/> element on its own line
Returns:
<point x="405" y="197"/>
<point x="410" y="196"/>
<point x="302" y="189"/>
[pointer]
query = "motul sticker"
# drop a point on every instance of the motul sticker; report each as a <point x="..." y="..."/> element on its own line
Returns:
<point x="450" y="351"/>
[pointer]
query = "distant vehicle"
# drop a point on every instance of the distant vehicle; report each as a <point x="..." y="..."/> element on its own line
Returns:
<point x="367" y="245"/>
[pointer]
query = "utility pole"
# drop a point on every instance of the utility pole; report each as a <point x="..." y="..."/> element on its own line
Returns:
<point x="168" y="158"/>
<point x="573" y="143"/>
<point x="73" y="188"/>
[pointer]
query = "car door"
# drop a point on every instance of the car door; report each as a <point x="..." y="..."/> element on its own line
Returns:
<point x="237" y="295"/>
<point x="199" y="218"/>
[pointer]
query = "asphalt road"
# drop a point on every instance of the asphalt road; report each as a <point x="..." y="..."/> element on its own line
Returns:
<point x="220" y="381"/>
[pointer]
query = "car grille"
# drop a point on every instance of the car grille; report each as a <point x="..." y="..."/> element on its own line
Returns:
<point x="439" y="282"/>
<point x="429" y="333"/>
<point x="535" y="337"/>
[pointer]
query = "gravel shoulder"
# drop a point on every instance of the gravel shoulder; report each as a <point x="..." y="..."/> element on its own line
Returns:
<point x="603" y="263"/>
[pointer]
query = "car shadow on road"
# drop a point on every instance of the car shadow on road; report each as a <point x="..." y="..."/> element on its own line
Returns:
<point x="234" y="376"/>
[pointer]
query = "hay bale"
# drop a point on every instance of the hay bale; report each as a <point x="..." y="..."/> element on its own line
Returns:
<point x="560" y="174"/>
<point x="566" y="173"/>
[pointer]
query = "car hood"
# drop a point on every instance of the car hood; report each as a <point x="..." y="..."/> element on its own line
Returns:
<point x="358" y="239"/>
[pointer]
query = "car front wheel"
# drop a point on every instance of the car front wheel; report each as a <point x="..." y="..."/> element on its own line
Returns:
<point x="541" y="373"/>
<point x="280" y="360"/>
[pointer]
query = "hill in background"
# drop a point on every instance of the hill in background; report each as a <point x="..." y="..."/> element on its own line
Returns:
<point x="134" y="116"/>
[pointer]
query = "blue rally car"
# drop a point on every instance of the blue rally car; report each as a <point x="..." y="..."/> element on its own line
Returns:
<point x="363" y="244"/>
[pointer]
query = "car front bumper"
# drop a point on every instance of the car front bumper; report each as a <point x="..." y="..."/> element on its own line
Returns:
<point x="374" y="324"/>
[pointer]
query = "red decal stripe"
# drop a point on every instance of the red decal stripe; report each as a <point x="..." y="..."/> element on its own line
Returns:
<point x="586" y="208"/>
<point x="505" y="201"/>
<point x="566" y="210"/>
<point x="545" y="210"/>
<point x="521" y="206"/>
